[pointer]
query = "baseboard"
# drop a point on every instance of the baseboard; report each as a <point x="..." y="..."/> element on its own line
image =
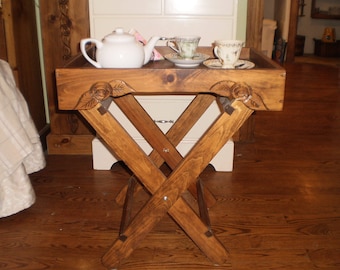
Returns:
<point x="65" y="144"/>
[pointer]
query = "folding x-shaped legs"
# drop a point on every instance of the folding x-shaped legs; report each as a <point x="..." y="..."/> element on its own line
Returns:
<point x="166" y="192"/>
<point x="175" y="135"/>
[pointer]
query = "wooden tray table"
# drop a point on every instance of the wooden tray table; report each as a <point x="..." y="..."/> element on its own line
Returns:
<point x="238" y="93"/>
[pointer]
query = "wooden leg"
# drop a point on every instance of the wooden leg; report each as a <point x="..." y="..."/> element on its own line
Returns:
<point x="167" y="192"/>
<point x="126" y="216"/>
<point x="203" y="208"/>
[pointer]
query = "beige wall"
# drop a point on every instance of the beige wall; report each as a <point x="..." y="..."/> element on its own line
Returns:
<point x="313" y="28"/>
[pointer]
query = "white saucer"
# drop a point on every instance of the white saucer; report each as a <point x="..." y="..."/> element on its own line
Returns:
<point x="240" y="64"/>
<point x="186" y="63"/>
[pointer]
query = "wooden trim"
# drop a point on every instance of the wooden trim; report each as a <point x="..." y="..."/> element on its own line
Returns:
<point x="63" y="24"/>
<point x="69" y="144"/>
<point x="65" y="29"/>
<point x="3" y="48"/>
<point x="254" y="24"/>
<point x="9" y="37"/>
<point x="293" y="21"/>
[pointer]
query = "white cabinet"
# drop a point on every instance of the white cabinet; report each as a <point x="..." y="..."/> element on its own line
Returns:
<point x="165" y="110"/>
<point x="210" y="19"/>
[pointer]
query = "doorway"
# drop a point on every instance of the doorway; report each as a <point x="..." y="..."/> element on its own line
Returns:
<point x="255" y="16"/>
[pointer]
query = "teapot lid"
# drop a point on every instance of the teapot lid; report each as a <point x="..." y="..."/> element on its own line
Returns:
<point x="118" y="35"/>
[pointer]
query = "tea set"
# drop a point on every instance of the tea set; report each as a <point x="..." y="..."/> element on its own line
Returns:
<point x="123" y="50"/>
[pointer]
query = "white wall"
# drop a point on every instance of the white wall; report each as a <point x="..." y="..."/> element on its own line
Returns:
<point x="313" y="28"/>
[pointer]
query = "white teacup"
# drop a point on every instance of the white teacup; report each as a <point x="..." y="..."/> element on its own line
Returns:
<point x="185" y="46"/>
<point x="228" y="52"/>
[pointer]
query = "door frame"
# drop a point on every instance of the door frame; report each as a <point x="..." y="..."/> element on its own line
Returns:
<point x="255" y="17"/>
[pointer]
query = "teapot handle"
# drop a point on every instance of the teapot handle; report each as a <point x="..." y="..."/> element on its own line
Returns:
<point x="83" y="43"/>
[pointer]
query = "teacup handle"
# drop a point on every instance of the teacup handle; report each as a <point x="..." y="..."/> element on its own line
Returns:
<point x="83" y="43"/>
<point x="171" y="43"/>
<point x="220" y="57"/>
<point x="216" y="52"/>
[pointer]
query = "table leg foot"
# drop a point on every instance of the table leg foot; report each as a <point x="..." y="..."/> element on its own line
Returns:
<point x="113" y="257"/>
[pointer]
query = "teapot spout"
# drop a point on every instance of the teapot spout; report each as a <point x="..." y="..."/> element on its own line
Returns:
<point x="149" y="47"/>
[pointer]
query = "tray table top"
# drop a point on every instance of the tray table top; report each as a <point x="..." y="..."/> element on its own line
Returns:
<point x="266" y="80"/>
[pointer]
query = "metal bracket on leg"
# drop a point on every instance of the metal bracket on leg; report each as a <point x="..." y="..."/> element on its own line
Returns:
<point x="226" y="104"/>
<point x="105" y="104"/>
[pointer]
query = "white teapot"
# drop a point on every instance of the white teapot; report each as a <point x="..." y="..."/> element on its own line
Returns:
<point x="119" y="50"/>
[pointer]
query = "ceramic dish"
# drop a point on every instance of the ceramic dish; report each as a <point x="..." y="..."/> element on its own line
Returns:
<point x="240" y="64"/>
<point x="186" y="63"/>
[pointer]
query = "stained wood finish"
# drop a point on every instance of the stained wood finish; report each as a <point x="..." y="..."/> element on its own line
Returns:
<point x="238" y="98"/>
<point x="175" y="135"/>
<point x="278" y="209"/>
<point x="63" y="25"/>
<point x="292" y="31"/>
<point x="254" y="23"/>
<point x="266" y="81"/>
<point x="185" y="174"/>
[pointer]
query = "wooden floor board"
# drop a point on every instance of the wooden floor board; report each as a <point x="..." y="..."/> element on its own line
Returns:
<point x="278" y="209"/>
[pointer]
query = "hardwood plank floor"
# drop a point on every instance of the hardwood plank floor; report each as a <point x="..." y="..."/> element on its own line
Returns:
<point x="278" y="209"/>
<point x="314" y="59"/>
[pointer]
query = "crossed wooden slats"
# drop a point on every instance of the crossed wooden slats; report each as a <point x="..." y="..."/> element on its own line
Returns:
<point x="166" y="192"/>
<point x="176" y="133"/>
